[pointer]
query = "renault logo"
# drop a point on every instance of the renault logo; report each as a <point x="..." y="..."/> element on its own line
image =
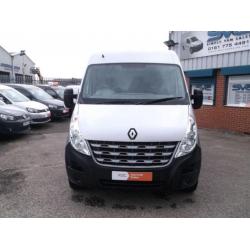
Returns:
<point x="132" y="134"/>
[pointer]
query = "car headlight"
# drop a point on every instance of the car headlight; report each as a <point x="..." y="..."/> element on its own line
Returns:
<point x="31" y="110"/>
<point x="7" y="117"/>
<point x="51" y="106"/>
<point x="189" y="141"/>
<point x="76" y="138"/>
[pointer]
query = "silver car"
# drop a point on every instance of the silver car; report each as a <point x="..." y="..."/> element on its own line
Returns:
<point x="38" y="112"/>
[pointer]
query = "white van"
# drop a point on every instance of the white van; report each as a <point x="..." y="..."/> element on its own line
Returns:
<point x="38" y="112"/>
<point x="192" y="44"/>
<point x="133" y="124"/>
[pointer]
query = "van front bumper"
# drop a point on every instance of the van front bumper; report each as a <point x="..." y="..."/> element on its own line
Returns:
<point x="181" y="173"/>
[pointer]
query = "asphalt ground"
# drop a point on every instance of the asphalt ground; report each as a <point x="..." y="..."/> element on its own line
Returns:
<point x="33" y="181"/>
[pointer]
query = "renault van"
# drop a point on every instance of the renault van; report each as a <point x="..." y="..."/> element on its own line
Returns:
<point x="133" y="124"/>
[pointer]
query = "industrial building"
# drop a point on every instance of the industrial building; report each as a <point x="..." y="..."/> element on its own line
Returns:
<point x="15" y="67"/>
<point x="218" y="62"/>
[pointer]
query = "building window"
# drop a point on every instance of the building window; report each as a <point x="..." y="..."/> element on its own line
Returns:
<point x="238" y="91"/>
<point x="19" y="78"/>
<point x="28" y="79"/>
<point x="207" y="85"/>
<point x="4" y="77"/>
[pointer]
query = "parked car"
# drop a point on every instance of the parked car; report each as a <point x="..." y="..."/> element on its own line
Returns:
<point x="133" y="124"/>
<point x="59" y="90"/>
<point x="56" y="107"/>
<point x="53" y="91"/>
<point x="193" y="44"/>
<point x="13" y="120"/>
<point x="38" y="112"/>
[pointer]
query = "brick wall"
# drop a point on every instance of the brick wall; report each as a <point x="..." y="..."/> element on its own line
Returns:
<point x="220" y="116"/>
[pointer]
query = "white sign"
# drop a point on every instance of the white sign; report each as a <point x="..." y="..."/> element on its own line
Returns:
<point x="238" y="93"/>
<point x="206" y="43"/>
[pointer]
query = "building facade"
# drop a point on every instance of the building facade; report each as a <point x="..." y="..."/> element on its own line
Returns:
<point x="218" y="62"/>
<point x="15" y="67"/>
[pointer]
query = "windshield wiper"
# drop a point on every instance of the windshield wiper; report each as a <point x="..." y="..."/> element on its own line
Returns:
<point x="160" y="100"/>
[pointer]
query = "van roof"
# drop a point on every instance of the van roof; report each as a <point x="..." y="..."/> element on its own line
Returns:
<point x="166" y="57"/>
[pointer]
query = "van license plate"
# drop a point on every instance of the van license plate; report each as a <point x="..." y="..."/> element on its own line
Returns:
<point x="131" y="176"/>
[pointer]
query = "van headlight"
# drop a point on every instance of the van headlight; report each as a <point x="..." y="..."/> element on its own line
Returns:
<point x="189" y="141"/>
<point x="76" y="138"/>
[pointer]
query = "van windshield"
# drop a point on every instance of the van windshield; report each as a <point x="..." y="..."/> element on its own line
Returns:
<point x="132" y="82"/>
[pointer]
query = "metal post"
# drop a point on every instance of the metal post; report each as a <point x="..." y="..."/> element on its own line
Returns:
<point x="12" y="69"/>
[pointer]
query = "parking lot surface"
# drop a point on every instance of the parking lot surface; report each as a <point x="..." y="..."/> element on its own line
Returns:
<point x="33" y="181"/>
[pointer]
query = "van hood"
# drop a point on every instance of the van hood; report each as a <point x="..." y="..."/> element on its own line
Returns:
<point x="151" y="122"/>
<point x="30" y="104"/>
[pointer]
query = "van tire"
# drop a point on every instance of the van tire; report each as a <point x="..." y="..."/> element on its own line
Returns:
<point x="190" y="189"/>
<point x="75" y="186"/>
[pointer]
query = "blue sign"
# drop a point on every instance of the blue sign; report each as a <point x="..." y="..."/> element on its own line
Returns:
<point x="217" y="35"/>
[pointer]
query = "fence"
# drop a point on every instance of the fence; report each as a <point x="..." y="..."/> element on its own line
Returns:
<point x="29" y="80"/>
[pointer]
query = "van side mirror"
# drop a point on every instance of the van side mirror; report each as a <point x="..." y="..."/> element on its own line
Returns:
<point x="198" y="98"/>
<point x="69" y="98"/>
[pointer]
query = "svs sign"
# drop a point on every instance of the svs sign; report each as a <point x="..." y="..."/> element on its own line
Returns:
<point x="241" y="87"/>
<point x="206" y="43"/>
<point x="217" y="35"/>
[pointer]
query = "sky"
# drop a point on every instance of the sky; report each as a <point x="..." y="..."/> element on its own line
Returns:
<point x="59" y="36"/>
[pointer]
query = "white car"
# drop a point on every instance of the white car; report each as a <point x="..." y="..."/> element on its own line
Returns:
<point x="133" y="124"/>
<point x="193" y="44"/>
<point x="38" y="112"/>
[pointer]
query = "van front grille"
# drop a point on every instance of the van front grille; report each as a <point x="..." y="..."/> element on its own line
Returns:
<point x="132" y="154"/>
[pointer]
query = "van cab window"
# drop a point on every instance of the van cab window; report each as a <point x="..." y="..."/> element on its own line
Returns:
<point x="130" y="82"/>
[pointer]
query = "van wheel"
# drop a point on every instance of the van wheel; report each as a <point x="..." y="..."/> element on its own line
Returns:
<point x="190" y="189"/>
<point x="74" y="186"/>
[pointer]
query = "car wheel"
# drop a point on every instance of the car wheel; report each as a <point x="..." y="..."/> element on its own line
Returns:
<point x="75" y="186"/>
<point x="190" y="189"/>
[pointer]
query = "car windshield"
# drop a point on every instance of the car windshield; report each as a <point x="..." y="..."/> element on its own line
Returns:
<point x="39" y="94"/>
<point x="194" y="39"/>
<point x="13" y="95"/>
<point x="60" y="92"/>
<point x="132" y="82"/>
